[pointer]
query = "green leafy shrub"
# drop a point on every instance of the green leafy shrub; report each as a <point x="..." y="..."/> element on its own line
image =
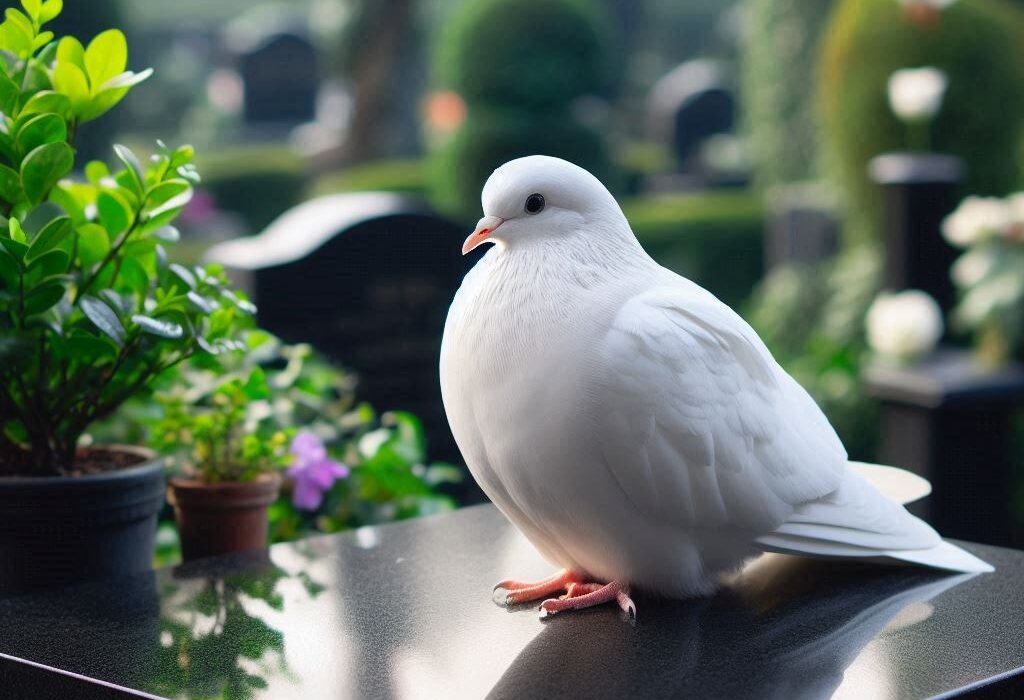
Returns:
<point x="715" y="238"/>
<point x="492" y="136"/>
<point x="259" y="183"/>
<point x="404" y="176"/>
<point x="777" y="62"/>
<point x="90" y="311"/>
<point x="980" y="47"/>
<point x="519" y="84"/>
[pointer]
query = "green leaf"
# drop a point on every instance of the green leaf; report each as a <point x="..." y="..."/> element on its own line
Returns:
<point x="93" y="244"/>
<point x="182" y="273"/>
<point x="70" y="50"/>
<point x="49" y="238"/>
<point x="23" y="22"/>
<point x="167" y="191"/>
<point x="13" y="38"/>
<point x="183" y="155"/>
<point x="69" y="80"/>
<point x="16" y="230"/>
<point x="47" y="101"/>
<point x="43" y="167"/>
<point x="49" y="264"/>
<point x="115" y="212"/>
<point x="41" y="129"/>
<point x="103" y="317"/>
<point x="10" y="184"/>
<point x="256" y="386"/>
<point x="155" y="326"/>
<point x="49" y="10"/>
<point x="41" y="40"/>
<point x="43" y="297"/>
<point x="96" y="171"/>
<point x="10" y="93"/>
<point x="15" y="248"/>
<point x="32" y="8"/>
<point x="106" y="57"/>
<point x="131" y="163"/>
<point x="112" y="92"/>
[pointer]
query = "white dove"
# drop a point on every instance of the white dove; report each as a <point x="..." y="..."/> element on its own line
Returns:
<point x="632" y="426"/>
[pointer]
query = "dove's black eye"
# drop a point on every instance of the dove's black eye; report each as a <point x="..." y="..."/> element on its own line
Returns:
<point x="535" y="203"/>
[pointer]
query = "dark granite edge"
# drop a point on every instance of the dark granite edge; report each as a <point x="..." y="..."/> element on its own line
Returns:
<point x="67" y="679"/>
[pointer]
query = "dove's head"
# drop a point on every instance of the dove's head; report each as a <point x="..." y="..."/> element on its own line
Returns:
<point x="540" y="197"/>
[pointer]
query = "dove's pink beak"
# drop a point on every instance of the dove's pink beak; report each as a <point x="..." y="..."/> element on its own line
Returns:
<point x="484" y="228"/>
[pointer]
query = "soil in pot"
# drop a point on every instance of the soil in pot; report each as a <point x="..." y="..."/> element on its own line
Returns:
<point x="220" y="518"/>
<point x="101" y="523"/>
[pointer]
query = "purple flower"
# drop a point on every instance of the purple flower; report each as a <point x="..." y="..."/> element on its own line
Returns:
<point x="313" y="471"/>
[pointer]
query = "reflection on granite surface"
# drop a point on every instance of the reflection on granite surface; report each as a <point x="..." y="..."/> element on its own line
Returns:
<point x="404" y="611"/>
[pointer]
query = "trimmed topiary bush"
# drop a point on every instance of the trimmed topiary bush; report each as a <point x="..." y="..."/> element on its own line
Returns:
<point x="777" y="60"/>
<point x="519" y="65"/>
<point x="715" y="239"/>
<point x="257" y="182"/>
<point x="535" y="54"/>
<point x="978" y="44"/>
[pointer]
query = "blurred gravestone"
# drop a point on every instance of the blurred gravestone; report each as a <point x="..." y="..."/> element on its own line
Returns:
<point x="367" y="279"/>
<point x="280" y="73"/>
<point x="689" y="105"/>
<point x="803" y="225"/>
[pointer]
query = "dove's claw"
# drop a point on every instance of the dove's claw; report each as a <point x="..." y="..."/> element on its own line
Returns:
<point x="589" y="595"/>
<point x="523" y="592"/>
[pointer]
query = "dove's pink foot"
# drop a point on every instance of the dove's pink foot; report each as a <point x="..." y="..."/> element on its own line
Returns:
<point x="578" y="593"/>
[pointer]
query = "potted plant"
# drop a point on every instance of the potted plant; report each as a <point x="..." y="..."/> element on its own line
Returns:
<point x="230" y="453"/>
<point x="90" y="309"/>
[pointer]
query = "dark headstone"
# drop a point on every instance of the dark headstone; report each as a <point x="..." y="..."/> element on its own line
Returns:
<point x="281" y="77"/>
<point x="687" y="106"/>
<point x="949" y="420"/>
<point x="803" y="226"/>
<point x="919" y="191"/>
<point x="367" y="279"/>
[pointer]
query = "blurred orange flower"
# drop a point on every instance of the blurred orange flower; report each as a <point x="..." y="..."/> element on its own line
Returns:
<point x="444" y="111"/>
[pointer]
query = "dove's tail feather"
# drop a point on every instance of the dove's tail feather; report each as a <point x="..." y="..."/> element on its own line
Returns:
<point x="945" y="556"/>
<point x="896" y="484"/>
<point x="862" y="519"/>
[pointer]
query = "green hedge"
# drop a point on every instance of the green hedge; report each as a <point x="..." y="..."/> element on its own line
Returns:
<point x="777" y="61"/>
<point x="980" y="46"/>
<point x="257" y="182"/>
<point x="405" y="176"/>
<point x="715" y="239"/>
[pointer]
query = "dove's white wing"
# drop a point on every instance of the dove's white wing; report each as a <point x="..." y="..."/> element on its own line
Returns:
<point x="702" y="429"/>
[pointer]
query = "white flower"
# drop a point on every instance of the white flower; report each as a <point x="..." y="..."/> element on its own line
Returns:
<point x="977" y="219"/>
<point x="915" y="94"/>
<point x="904" y="326"/>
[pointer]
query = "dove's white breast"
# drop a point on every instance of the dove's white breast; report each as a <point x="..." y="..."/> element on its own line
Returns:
<point x="519" y="373"/>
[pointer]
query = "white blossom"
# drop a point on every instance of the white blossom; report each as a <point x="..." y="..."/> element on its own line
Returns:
<point x="915" y="94"/>
<point x="931" y="4"/>
<point x="977" y="219"/>
<point x="904" y="326"/>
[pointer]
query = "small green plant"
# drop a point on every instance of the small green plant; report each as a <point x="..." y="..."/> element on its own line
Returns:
<point x="90" y="309"/>
<point x="219" y="428"/>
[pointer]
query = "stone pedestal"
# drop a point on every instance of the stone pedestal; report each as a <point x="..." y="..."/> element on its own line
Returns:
<point x="919" y="191"/>
<point x="949" y="421"/>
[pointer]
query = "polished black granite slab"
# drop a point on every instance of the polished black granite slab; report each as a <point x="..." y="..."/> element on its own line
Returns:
<point x="405" y="611"/>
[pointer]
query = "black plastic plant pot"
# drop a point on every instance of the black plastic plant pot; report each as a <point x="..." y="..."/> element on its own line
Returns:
<point x="61" y="530"/>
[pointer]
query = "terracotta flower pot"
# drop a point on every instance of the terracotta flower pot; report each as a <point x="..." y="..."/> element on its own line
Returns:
<point x="220" y="518"/>
<point x="60" y="530"/>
